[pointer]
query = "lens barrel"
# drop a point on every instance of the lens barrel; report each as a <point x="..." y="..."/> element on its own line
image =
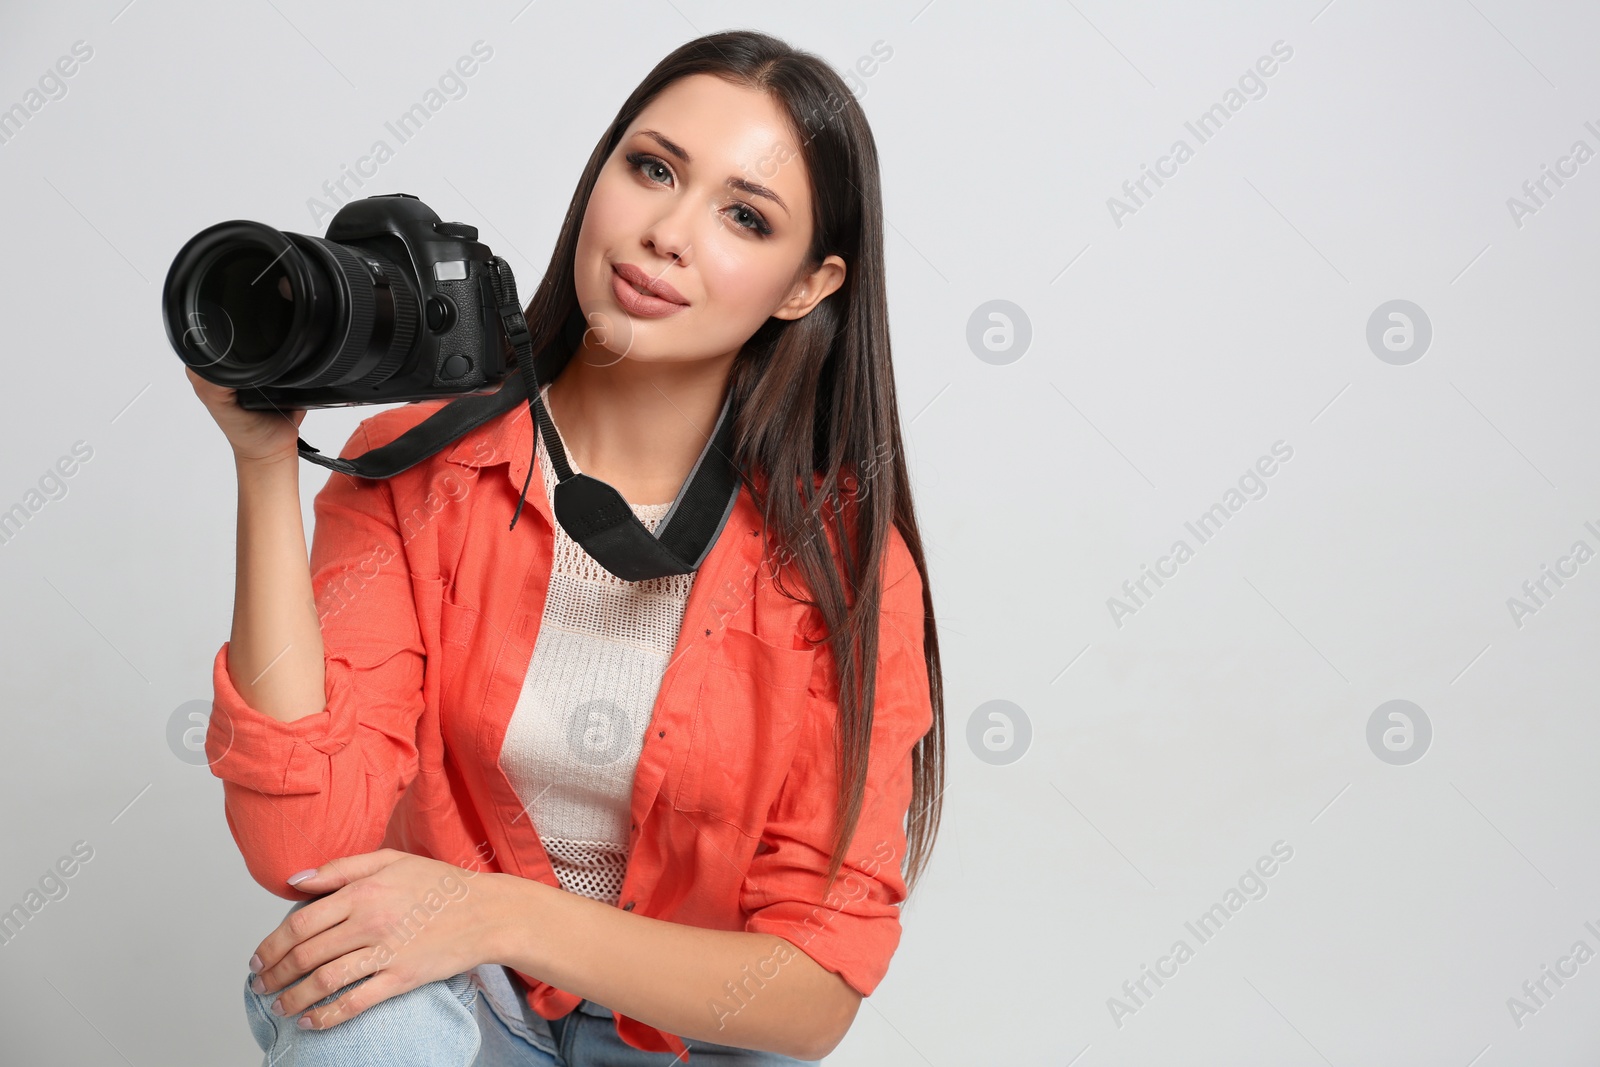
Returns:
<point x="246" y="305"/>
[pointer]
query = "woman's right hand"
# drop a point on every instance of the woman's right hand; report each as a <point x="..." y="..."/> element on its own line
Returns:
<point x="254" y="435"/>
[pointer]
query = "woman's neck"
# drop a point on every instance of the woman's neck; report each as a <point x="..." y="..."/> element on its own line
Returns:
<point x="639" y="426"/>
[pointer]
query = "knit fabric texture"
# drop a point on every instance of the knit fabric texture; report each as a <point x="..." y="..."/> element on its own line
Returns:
<point x="575" y="735"/>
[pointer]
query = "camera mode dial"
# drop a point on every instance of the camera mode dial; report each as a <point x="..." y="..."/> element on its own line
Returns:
<point x="456" y="229"/>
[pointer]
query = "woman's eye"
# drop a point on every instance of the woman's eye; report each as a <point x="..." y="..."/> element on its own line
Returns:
<point x="756" y="222"/>
<point x="643" y="163"/>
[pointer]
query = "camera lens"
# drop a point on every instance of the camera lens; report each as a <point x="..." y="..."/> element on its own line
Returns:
<point x="246" y="302"/>
<point x="246" y="305"/>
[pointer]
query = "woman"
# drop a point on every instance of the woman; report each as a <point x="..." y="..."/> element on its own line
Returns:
<point x="615" y="809"/>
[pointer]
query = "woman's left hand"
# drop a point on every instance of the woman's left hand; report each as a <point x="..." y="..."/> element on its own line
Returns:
<point x="410" y="919"/>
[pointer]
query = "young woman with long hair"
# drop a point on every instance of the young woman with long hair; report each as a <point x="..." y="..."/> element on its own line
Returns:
<point x="531" y="812"/>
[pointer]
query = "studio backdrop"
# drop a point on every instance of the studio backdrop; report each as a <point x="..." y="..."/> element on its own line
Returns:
<point x="1246" y="369"/>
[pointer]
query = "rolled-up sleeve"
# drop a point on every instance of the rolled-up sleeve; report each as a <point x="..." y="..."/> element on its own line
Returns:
<point x="854" y="928"/>
<point x="298" y="794"/>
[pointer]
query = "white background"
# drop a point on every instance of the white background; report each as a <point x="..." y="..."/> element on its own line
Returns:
<point x="1167" y="354"/>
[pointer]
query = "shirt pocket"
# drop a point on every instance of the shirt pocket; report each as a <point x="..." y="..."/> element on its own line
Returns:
<point x="461" y="646"/>
<point x="453" y="659"/>
<point x="743" y="732"/>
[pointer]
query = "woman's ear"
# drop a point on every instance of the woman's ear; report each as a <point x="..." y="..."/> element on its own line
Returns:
<point x="811" y="288"/>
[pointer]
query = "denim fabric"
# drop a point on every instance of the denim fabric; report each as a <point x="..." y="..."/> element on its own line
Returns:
<point x="434" y="1025"/>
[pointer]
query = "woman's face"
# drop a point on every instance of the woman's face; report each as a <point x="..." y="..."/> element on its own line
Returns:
<point x="733" y="254"/>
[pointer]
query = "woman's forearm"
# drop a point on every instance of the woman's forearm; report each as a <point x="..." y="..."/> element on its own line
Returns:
<point x="729" y="987"/>
<point x="275" y="652"/>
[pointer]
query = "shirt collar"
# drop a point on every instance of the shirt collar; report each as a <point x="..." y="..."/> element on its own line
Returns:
<point x="506" y="439"/>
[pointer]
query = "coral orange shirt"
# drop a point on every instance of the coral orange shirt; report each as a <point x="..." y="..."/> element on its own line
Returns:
<point x="430" y="607"/>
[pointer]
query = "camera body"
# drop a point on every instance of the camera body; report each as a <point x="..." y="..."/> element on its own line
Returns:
<point x="393" y="305"/>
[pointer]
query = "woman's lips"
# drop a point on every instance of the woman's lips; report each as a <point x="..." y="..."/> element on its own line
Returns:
<point x="644" y="305"/>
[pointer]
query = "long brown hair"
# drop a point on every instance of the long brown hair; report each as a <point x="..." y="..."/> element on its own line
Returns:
<point x="814" y="398"/>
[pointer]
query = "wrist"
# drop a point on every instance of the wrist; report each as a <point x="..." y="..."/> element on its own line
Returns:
<point x="282" y="466"/>
<point x="511" y="903"/>
<point x="267" y="484"/>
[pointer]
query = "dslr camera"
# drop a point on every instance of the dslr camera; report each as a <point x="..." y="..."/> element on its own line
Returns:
<point x="392" y="305"/>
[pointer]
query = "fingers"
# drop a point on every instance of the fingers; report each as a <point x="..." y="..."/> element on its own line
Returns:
<point x="295" y="1002"/>
<point x="336" y="874"/>
<point x="305" y="939"/>
<point x="210" y="393"/>
<point x="202" y="387"/>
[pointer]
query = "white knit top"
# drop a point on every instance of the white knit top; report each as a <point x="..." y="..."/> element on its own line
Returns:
<point x="574" y="738"/>
<point x="575" y="735"/>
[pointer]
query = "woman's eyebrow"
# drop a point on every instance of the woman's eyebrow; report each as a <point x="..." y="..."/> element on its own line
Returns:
<point x="740" y="184"/>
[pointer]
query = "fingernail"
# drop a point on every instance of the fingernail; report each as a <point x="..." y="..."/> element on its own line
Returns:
<point x="277" y="1006"/>
<point x="257" y="985"/>
<point x="300" y="876"/>
<point x="304" y="1023"/>
<point x="255" y="964"/>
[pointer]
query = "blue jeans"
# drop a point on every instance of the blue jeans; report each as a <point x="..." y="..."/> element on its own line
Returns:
<point x="451" y="1023"/>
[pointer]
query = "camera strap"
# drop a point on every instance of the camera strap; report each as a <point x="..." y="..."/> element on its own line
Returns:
<point x="591" y="511"/>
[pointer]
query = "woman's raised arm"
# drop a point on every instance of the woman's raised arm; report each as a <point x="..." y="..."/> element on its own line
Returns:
<point x="318" y="693"/>
<point x="275" y="651"/>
